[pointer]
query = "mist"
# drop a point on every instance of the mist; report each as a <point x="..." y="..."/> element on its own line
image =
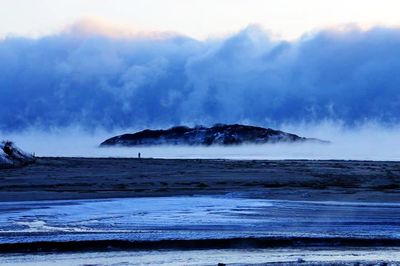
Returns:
<point x="85" y="77"/>
<point x="63" y="94"/>
<point x="368" y="142"/>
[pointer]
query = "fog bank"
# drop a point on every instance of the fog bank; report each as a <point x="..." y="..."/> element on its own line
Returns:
<point x="368" y="142"/>
<point x="88" y="78"/>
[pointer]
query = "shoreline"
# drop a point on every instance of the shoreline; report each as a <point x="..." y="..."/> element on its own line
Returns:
<point x="317" y="182"/>
<point x="198" y="244"/>
<point x="256" y="257"/>
<point x="66" y="178"/>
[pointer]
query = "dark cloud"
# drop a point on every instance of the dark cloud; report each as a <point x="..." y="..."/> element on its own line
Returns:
<point x="93" y="80"/>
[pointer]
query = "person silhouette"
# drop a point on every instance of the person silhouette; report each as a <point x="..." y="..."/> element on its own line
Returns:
<point x="138" y="155"/>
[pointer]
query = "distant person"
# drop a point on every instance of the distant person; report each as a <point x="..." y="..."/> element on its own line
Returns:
<point x="138" y="155"/>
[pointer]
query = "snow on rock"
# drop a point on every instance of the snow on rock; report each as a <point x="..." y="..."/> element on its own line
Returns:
<point x="11" y="156"/>
<point x="219" y="134"/>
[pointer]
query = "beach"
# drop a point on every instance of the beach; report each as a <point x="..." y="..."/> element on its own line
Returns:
<point x="92" y="178"/>
<point x="125" y="211"/>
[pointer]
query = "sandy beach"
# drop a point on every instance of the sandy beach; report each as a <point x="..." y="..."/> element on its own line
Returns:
<point x="91" y="178"/>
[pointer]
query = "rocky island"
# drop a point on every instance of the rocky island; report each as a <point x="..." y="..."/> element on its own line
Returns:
<point x="219" y="134"/>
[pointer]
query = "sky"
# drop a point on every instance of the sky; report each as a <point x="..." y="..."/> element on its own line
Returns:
<point x="117" y="66"/>
<point x="287" y="19"/>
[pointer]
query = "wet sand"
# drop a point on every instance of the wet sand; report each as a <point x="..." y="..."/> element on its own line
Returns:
<point x="231" y="257"/>
<point x="90" y="178"/>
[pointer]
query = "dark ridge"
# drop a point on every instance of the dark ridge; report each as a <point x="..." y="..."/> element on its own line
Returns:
<point x="235" y="243"/>
<point x="219" y="134"/>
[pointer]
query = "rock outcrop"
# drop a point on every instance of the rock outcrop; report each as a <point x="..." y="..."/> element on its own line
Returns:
<point x="11" y="156"/>
<point x="219" y="134"/>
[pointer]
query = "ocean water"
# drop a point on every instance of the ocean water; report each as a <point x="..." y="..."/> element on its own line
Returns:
<point x="196" y="218"/>
<point x="191" y="218"/>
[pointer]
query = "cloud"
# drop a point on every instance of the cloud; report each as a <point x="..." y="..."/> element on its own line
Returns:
<point x="99" y="80"/>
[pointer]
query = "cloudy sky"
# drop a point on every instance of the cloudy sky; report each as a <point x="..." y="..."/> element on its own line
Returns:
<point x="198" y="19"/>
<point x="123" y="64"/>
